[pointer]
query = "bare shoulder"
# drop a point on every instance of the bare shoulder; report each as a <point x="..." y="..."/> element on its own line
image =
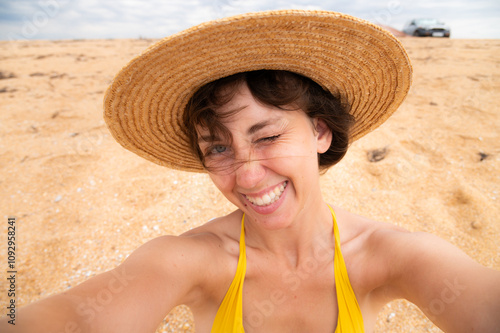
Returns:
<point x="161" y="274"/>
<point x="367" y="245"/>
<point x="437" y="276"/>
<point x="172" y="270"/>
<point x="184" y="258"/>
<point x="220" y="235"/>
<point x="360" y="234"/>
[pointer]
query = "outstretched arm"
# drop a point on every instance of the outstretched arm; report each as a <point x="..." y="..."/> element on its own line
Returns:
<point x="455" y="292"/>
<point x="134" y="297"/>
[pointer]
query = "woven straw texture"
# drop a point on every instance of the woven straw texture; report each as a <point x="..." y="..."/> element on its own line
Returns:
<point x="359" y="62"/>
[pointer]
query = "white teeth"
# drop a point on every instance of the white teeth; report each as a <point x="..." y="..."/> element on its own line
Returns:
<point x="266" y="199"/>
<point x="270" y="197"/>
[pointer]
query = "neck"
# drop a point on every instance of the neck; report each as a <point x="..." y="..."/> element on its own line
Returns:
<point x="309" y="234"/>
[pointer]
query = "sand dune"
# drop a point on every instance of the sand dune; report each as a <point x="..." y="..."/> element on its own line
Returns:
<point x="83" y="203"/>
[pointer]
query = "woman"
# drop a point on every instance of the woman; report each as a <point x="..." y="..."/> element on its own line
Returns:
<point x="263" y="103"/>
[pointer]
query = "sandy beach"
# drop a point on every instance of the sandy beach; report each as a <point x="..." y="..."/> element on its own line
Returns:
<point x="82" y="203"/>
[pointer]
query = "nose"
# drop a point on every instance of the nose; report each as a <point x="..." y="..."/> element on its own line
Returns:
<point x="250" y="174"/>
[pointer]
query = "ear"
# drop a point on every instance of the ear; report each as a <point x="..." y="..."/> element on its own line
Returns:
<point x="323" y="135"/>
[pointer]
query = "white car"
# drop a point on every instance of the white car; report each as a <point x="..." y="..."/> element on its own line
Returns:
<point x="426" y="28"/>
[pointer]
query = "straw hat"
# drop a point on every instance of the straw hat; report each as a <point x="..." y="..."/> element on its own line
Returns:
<point x="364" y="65"/>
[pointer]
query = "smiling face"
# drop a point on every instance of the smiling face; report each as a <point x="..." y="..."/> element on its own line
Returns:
<point x="267" y="165"/>
<point x="281" y="89"/>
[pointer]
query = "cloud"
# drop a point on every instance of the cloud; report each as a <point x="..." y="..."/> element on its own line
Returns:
<point x="63" y="19"/>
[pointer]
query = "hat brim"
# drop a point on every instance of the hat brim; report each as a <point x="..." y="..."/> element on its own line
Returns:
<point x="361" y="63"/>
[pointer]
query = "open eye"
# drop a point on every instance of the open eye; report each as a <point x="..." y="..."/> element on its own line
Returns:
<point x="218" y="149"/>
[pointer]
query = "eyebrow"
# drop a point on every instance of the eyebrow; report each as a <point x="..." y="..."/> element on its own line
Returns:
<point x="208" y="138"/>
<point x="260" y="125"/>
<point x="253" y="129"/>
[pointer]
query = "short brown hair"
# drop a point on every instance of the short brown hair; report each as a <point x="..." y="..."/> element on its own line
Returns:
<point x="281" y="89"/>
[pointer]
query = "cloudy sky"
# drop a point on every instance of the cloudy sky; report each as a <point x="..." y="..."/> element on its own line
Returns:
<point x="90" y="19"/>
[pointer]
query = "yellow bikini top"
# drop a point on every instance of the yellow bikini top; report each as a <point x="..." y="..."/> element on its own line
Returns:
<point x="229" y="317"/>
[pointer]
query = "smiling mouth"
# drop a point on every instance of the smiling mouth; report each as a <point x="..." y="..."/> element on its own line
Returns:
<point x="269" y="197"/>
